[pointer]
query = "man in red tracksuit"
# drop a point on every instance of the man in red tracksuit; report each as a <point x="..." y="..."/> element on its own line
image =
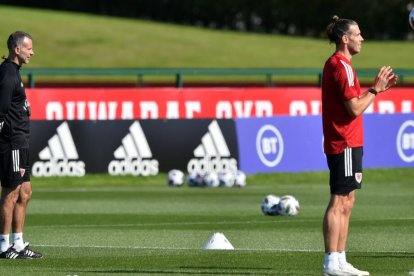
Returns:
<point x="343" y="103"/>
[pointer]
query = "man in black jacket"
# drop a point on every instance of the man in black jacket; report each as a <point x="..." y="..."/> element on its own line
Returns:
<point x="14" y="149"/>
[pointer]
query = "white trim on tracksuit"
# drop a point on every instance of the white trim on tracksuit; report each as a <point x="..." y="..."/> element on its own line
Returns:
<point x="348" y="161"/>
<point x="16" y="160"/>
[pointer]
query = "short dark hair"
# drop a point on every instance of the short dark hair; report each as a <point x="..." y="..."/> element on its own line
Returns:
<point x="16" y="39"/>
<point x="338" y="28"/>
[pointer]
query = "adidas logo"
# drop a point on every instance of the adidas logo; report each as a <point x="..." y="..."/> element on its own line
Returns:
<point x="134" y="155"/>
<point x="212" y="154"/>
<point x="59" y="158"/>
<point x="212" y="143"/>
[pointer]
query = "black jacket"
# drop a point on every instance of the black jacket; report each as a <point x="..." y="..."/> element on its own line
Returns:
<point x="14" y="108"/>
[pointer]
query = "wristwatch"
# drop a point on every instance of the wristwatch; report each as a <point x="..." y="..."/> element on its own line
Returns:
<point x="373" y="91"/>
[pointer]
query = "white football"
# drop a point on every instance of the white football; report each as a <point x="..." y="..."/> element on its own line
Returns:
<point x="240" y="179"/>
<point x="211" y="179"/>
<point x="288" y="206"/>
<point x="226" y="179"/>
<point x="175" y="178"/>
<point x="195" y="179"/>
<point x="270" y="205"/>
<point x="411" y="18"/>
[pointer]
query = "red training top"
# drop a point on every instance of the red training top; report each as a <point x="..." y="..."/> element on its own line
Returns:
<point x="340" y="84"/>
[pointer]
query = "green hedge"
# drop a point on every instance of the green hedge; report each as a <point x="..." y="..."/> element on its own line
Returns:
<point x="387" y="19"/>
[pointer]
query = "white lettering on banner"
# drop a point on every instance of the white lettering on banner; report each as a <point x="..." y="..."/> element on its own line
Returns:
<point x="316" y="107"/>
<point x="217" y="165"/>
<point x="192" y="107"/>
<point x="264" y="108"/>
<point x="133" y="167"/>
<point x="386" y="107"/>
<point x="96" y="110"/>
<point x="269" y="145"/>
<point x="112" y="107"/>
<point x="406" y="106"/>
<point x="243" y="109"/>
<point x="70" y="113"/>
<point x="92" y="110"/>
<point x="390" y="107"/>
<point x="223" y="110"/>
<point x="127" y="111"/>
<point x="109" y="110"/>
<point x="298" y="108"/>
<point x="54" y="111"/>
<point x="149" y="110"/>
<point x="81" y="106"/>
<point x="58" y="168"/>
<point x="227" y="103"/>
<point x="101" y="110"/>
<point x="408" y="141"/>
<point x="301" y="108"/>
<point x="172" y="110"/>
<point x="243" y="112"/>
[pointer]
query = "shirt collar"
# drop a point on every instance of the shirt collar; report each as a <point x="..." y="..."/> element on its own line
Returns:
<point x="15" y="65"/>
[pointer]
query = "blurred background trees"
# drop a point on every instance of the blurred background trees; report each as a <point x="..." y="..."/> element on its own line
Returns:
<point x="385" y="19"/>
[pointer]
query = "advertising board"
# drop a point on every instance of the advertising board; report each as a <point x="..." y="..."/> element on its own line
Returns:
<point x="131" y="147"/>
<point x="193" y="103"/>
<point x="295" y="144"/>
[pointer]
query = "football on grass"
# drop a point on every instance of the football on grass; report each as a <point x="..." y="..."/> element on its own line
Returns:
<point x="226" y="179"/>
<point x="195" y="179"/>
<point x="270" y="205"/>
<point x="175" y="178"/>
<point x="211" y="179"/>
<point x="288" y="206"/>
<point x="240" y="179"/>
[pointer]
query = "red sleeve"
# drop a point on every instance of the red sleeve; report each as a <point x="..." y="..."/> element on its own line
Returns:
<point x="345" y="75"/>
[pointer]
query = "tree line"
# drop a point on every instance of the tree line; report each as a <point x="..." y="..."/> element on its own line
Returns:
<point x="385" y="19"/>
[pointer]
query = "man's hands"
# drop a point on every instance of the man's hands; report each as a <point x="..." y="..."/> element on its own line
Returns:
<point x="385" y="79"/>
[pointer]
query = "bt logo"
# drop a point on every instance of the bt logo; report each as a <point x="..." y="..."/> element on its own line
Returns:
<point x="405" y="141"/>
<point x="269" y="145"/>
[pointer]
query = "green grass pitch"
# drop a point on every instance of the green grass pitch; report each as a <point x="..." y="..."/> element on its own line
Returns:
<point x="102" y="225"/>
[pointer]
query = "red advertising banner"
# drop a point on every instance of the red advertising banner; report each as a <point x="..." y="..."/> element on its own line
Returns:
<point x="187" y="103"/>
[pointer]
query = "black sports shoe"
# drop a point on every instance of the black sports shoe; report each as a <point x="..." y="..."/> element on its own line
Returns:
<point x="12" y="253"/>
<point x="29" y="254"/>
